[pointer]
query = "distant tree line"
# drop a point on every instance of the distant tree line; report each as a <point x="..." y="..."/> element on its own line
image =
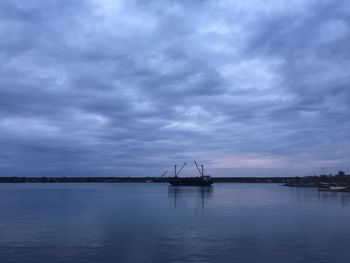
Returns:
<point x="340" y="178"/>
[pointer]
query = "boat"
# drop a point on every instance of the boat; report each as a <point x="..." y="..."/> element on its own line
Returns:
<point x="202" y="180"/>
<point x="326" y="187"/>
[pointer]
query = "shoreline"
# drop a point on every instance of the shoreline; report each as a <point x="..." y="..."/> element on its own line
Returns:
<point x="306" y="181"/>
<point x="15" y="179"/>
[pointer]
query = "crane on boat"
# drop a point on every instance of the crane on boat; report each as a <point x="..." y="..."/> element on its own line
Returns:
<point x="164" y="173"/>
<point x="201" y="171"/>
<point x="178" y="172"/>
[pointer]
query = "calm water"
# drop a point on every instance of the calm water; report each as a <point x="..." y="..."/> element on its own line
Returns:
<point x="158" y="223"/>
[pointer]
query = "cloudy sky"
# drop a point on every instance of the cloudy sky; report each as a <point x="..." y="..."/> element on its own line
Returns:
<point x="118" y="88"/>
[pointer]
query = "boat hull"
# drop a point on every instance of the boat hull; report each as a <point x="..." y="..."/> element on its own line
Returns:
<point x="190" y="181"/>
<point x="340" y="189"/>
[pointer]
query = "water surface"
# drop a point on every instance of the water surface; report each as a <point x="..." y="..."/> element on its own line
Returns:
<point x="158" y="223"/>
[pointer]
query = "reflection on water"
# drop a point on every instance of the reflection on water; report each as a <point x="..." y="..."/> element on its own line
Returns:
<point x="308" y="195"/>
<point x="201" y="193"/>
<point x="157" y="223"/>
<point x="329" y="197"/>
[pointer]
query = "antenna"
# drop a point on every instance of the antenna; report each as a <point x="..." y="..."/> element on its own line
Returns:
<point x="200" y="172"/>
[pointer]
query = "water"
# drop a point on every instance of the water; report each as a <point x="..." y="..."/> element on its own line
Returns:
<point x="158" y="223"/>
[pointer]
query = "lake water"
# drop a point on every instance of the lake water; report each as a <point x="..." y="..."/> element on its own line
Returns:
<point x="158" y="223"/>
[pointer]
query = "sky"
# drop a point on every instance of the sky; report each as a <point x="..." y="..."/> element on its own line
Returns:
<point x="130" y="88"/>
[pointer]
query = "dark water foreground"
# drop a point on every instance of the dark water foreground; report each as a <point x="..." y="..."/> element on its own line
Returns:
<point x="158" y="223"/>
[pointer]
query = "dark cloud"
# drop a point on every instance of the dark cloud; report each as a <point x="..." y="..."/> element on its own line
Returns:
<point x="132" y="87"/>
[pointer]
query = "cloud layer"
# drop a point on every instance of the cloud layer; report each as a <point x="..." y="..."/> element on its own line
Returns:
<point x="104" y="87"/>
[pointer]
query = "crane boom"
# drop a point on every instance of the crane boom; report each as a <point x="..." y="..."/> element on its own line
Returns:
<point x="198" y="168"/>
<point x="164" y="173"/>
<point x="181" y="169"/>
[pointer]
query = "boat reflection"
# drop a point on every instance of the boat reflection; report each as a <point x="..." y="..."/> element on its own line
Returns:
<point x="201" y="193"/>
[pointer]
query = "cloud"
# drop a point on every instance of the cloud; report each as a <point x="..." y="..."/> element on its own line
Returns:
<point x="132" y="87"/>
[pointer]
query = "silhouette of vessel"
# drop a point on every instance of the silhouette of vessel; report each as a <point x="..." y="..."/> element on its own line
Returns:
<point x="327" y="187"/>
<point x="202" y="180"/>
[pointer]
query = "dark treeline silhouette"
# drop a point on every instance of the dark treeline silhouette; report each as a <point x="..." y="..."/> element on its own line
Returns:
<point x="137" y="179"/>
<point x="313" y="181"/>
<point x="341" y="178"/>
<point x="89" y="179"/>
